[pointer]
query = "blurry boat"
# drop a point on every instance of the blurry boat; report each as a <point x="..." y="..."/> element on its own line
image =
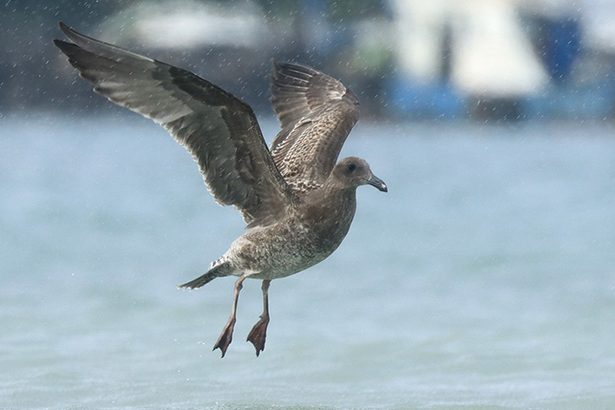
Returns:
<point x="476" y="48"/>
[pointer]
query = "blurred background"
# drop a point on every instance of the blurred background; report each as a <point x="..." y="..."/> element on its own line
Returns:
<point x="484" y="278"/>
<point x="407" y="59"/>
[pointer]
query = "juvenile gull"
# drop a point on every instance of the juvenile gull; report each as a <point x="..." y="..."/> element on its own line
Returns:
<point x="298" y="204"/>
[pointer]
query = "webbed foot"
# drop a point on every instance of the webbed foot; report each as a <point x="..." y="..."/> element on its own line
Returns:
<point x="258" y="334"/>
<point x="226" y="337"/>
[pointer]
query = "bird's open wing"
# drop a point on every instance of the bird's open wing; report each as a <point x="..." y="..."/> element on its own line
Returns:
<point x="317" y="113"/>
<point x="219" y="130"/>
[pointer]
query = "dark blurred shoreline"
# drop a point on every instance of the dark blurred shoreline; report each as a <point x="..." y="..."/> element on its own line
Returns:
<point x="357" y="42"/>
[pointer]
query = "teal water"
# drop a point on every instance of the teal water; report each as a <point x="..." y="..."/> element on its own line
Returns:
<point x="485" y="278"/>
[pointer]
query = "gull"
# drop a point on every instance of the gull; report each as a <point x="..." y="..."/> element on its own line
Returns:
<point x="297" y="201"/>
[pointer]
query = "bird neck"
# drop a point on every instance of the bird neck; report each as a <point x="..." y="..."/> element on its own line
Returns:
<point x="330" y="210"/>
<point x="334" y="187"/>
<point x="335" y="195"/>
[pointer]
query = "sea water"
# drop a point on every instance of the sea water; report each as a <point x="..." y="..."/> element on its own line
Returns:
<point x="484" y="278"/>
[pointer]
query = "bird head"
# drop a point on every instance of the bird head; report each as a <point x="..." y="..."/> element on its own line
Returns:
<point x="353" y="172"/>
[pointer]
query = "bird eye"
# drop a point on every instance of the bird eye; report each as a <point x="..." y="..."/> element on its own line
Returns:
<point x="351" y="167"/>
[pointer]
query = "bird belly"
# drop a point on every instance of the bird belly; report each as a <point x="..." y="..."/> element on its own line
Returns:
<point x="283" y="249"/>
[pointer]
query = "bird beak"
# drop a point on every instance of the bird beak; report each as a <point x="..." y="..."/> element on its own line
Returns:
<point x="378" y="183"/>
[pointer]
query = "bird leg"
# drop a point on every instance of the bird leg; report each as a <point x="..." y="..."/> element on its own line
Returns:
<point x="259" y="331"/>
<point x="226" y="337"/>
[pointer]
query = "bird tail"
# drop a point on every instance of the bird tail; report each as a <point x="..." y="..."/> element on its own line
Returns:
<point x="217" y="270"/>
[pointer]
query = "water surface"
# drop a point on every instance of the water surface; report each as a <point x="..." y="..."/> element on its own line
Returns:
<point x="483" y="279"/>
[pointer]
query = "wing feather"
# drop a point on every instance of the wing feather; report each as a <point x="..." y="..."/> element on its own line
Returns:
<point x="317" y="113"/>
<point x="219" y="130"/>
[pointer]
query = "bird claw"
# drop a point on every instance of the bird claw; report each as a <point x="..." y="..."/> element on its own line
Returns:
<point x="258" y="335"/>
<point x="225" y="339"/>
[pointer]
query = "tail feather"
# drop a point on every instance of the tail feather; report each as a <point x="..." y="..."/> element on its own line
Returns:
<point x="215" y="272"/>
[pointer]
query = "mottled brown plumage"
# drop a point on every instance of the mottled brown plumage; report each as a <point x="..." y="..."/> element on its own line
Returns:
<point x="309" y="104"/>
<point x="297" y="203"/>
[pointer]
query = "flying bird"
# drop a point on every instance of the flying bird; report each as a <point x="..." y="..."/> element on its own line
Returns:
<point x="296" y="201"/>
